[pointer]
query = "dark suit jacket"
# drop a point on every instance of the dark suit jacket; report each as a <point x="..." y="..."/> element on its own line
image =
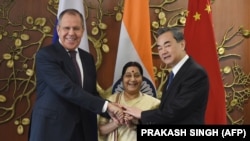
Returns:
<point x="185" y="100"/>
<point x="62" y="110"/>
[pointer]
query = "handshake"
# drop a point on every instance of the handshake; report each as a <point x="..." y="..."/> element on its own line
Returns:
<point x="123" y="115"/>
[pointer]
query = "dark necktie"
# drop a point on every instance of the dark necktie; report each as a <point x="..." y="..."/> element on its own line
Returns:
<point x="170" y="78"/>
<point x="73" y="58"/>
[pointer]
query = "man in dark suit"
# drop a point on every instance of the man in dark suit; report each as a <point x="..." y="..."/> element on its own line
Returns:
<point x="183" y="101"/>
<point x="67" y="104"/>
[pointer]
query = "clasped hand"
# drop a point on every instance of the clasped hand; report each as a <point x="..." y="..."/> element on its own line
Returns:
<point x="117" y="113"/>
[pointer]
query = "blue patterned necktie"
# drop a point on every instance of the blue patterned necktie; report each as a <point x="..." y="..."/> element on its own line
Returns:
<point x="170" y="79"/>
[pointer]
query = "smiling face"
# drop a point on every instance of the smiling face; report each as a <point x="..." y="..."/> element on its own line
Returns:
<point x="132" y="80"/>
<point x="170" y="51"/>
<point x="70" y="30"/>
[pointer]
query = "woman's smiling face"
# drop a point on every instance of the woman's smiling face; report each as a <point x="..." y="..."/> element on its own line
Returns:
<point x="132" y="80"/>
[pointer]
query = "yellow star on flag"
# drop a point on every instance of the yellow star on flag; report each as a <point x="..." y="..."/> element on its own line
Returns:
<point x="197" y="16"/>
<point x="208" y="8"/>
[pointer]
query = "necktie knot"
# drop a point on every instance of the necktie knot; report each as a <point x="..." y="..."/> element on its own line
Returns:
<point x="72" y="54"/>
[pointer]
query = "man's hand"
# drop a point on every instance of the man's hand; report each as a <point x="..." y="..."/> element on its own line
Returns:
<point x="115" y="112"/>
<point x="128" y="119"/>
<point x="133" y="111"/>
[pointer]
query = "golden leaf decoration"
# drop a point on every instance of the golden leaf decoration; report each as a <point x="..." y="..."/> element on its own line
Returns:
<point x="2" y="98"/>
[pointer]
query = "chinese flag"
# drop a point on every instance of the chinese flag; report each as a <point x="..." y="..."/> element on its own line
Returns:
<point x="200" y="44"/>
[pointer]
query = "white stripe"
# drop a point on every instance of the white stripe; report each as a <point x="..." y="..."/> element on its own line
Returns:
<point x="126" y="52"/>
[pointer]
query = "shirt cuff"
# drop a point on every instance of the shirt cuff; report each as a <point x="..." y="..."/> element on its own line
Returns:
<point x="105" y="106"/>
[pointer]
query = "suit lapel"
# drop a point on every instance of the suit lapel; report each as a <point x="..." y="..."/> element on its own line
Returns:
<point x="177" y="78"/>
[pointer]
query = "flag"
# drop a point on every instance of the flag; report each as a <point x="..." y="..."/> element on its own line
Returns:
<point x="135" y="44"/>
<point x="78" y="5"/>
<point x="201" y="45"/>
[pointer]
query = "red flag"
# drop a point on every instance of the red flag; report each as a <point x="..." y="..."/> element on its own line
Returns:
<point x="200" y="44"/>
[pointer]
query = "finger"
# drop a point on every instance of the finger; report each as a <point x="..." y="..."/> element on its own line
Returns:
<point x="124" y="107"/>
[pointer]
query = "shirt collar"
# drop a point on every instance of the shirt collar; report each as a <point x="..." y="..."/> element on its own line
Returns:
<point x="177" y="67"/>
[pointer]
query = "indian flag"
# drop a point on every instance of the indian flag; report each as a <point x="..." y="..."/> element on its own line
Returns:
<point x="78" y="5"/>
<point x="135" y="44"/>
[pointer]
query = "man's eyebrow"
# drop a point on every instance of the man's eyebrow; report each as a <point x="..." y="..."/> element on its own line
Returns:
<point x="166" y="42"/>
